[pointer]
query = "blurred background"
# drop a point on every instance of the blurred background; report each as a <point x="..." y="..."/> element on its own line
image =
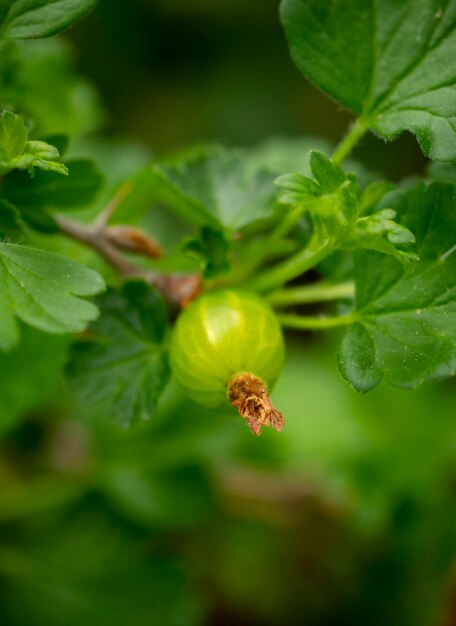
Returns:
<point x="348" y="517"/>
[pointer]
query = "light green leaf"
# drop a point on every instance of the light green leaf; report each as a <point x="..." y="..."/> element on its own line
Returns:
<point x="328" y="174"/>
<point x="28" y="19"/>
<point x="44" y="290"/>
<point x="13" y="135"/>
<point x="387" y="61"/>
<point x="18" y="153"/>
<point x="124" y="366"/>
<point x="381" y="232"/>
<point x="406" y="315"/>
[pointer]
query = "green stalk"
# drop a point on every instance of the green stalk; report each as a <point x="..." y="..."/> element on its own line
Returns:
<point x="318" y="292"/>
<point x="291" y="268"/>
<point x="300" y="322"/>
<point x="356" y="132"/>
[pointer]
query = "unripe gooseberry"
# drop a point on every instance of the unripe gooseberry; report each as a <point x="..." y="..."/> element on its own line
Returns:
<point x="228" y="345"/>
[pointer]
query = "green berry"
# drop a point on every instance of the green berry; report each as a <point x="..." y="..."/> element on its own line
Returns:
<point x="228" y="345"/>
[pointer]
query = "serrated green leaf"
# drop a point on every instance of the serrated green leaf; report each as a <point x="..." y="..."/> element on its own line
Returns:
<point x="385" y="60"/>
<point x="29" y="19"/>
<point x="124" y="367"/>
<point x="217" y="188"/>
<point x="44" y="290"/>
<point x="49" y="190"/>
<point x="409" y="313"/>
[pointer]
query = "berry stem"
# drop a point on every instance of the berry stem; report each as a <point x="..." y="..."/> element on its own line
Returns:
<point x="307" y="294"/>
<point x="355" y="133"/>
<point x="301" y="322"/>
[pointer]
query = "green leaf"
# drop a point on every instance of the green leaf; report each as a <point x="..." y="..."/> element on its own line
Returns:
<point x="385" y="60"/>
<point x="48" y="190"/>
<point x="42" y="289"/>
<point x="28" y="19"/>
<point x="357" y="359"/>
<point x="211" y="249"/>
<point x="217" y="188"/>
<point x="124" y="367"/>
<point x="18" y="153"/>
<point x="381" y="232"/>
<point x="299" y="189"/>
<point x="13" y="135"/>
<point x="335" y="204"/>
<point x="407" y="312"/>
<point x="328" y="174"/>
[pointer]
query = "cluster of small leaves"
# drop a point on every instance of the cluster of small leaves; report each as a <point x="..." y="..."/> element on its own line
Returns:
<point x="340" y="211"/>
<point x="17" y="152"/>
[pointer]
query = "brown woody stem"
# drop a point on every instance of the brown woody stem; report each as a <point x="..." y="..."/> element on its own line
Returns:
<point x="249" y="395"/>
<point x="110" y="241"/>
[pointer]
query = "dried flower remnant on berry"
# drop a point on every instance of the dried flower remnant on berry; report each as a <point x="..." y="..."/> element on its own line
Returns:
<point x="249" y="395"/>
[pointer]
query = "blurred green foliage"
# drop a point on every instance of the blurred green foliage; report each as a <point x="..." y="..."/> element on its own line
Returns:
<point x="348" y="517"/>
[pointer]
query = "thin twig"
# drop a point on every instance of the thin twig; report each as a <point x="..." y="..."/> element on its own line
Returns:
<point x="95" y="239"/>
<point x="177" y="289"/>
<point x="106" y="214"/>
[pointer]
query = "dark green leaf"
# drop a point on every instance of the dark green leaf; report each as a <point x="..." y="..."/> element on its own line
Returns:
<point x="28" y="19"/>
<point x="47" y="189"/>
<point x="211" y="249"/>
<point x="408" y="312"/>
<point x="43" y="289"/>
<point x="124" y="366"/>
<point x="387" y="61"/>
